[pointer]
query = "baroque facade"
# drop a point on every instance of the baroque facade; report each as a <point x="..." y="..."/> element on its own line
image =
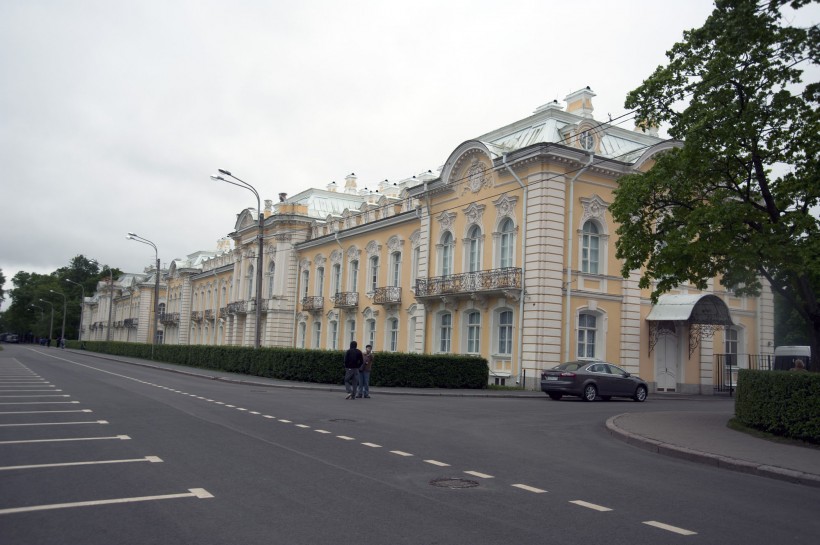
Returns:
<point x="508" y="252"/>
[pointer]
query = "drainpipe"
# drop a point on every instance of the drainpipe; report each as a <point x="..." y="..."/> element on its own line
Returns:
<point x="427" y="272"/>
<point x="570" y="238"/>
<point x="295" y="297"/>
<point x="523" y="268"/>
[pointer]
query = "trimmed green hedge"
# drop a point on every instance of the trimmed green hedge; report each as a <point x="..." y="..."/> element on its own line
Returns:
<point x="322" y="366"/>
<point x="780" y="402"/>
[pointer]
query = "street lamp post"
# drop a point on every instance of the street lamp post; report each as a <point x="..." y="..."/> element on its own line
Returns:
<point x="42" y="312"/>
<point x="136" y="237"/>
<point x="65" y="305"/>
<point x="82" y="307"/>
<point x="258" y="336"/>
<point x="51" y="324"/>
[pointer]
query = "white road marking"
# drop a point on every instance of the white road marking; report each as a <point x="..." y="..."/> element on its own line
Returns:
<point x="591" y="505"/>
<point x="480" y="475"/>
<point x="437" y="463"/>
<point x="345" y="437"/>
<point x="40" y="403"/>
<point x="121" y="437"/>
<point x="241" y="409"/>
<point x="53" y="424"/>
<point x="268" y="416"/>
<point x="199" y="493"/>
<point x="46" y="395"/>
<point x="231" y="406"/>
<point x="670" y="528"/>
<point x="254" y="412"/>
<point x="372" y="445"/>
<point x="302" y="426"/>
<point x="152" y="459"/>
<point x="285" y="421"/>
<point x="20" y="390"/>
<point x="529" y="488"/>
<point x="400" y="453"/>
<point x="52" y="412"/>
<point x="321" y="431"/>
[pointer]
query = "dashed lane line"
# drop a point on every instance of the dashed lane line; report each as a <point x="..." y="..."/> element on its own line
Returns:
<point x="592" y="506"/>
<point x="199" y="493"/>
<point x="530" y="488"/>
<point x="346" y="438"/>
<point x="479" y="475"/>
<point x="372" y="445"/>
<point x="152" y="459"/>
<point x="400" y="453"/>
<point x="437" y="463"/>
<point x="670" y="528"/>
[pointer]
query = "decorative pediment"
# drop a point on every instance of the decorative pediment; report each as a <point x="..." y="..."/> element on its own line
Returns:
<point x="594" y="208"/>
<point x="319" y="260"/>
<point x="474" y="213"/>
<point x="336" y="257"/>
<point x="394" y="243"/>
<point x="415" y="238"/>
<point x="246" y="219"/>
<point x="304" y="264"/>
<point x="446" y="220"/>
<point x="506" y="205"/>
<point x="353" y="253"/>
<point x="477" y="176"/>
<point x="373" y="248"/>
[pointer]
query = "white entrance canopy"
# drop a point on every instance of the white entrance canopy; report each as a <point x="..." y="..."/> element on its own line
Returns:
<point x="695" y="309"/>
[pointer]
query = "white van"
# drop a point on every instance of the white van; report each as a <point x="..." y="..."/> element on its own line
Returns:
<point x="784" y="356"/>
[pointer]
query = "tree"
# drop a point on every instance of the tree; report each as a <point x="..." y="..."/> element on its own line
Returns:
<point x="735" y="200"/>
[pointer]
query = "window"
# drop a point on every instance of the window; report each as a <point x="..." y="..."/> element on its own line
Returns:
<point x="473" y="332"/>
<point x="393" y="324"/>
<point x="333" y="340"/>
<point x="474" y="249"/>
<point x="250" y="282"/>
<point x="373" y="274"/>
<point x="351" y="330"/>
<point x="447" y="247"/>
<point x="354" y="275"/>
<point x="445" y="332"/>
<point x="506" y="243"/>
<point x="730" y="345"/>
<point x="302" y="334"/>
<point x="589" y="248"/>
<point x="587" y="328"/>
<point x="336" y="278"/>
<point x="305" y="278"/>
<point x="414" y="265"/>
<point x="505" y="332"/>
<point x="411" y="335"/>
<point x="161" y="309"/>
<point x="271" y="271"/>
<point x="320" y="281"/>
<point x="317" y="334"/>
<point x="370" y="326"/>
<point x="395" y="269"/>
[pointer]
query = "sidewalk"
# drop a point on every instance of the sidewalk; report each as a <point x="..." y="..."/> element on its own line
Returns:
<point x="697" y="436"/>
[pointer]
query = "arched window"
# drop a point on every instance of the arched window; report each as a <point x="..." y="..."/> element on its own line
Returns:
<point x="411" y="335"/>
<point x="474" y="249"/>
<point x="505" y="332"/>
<point x="393" y="325"/>
<point x="473" y="332"/>
<point x="271" y="273"/>
<point x="414" y="265"/>
<point x="506" y="243"/>
<point x="250" y="282"/>
<point x="447" y="248"/>
<point x="587" y="335"/>
<point x="589" y="248"/>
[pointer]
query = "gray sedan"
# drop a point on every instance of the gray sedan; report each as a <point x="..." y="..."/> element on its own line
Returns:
<point x="590" y="379"/>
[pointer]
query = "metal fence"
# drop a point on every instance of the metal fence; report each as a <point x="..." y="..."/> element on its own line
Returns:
<point x="727" y="366"/>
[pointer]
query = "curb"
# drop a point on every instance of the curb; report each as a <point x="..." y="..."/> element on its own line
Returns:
<point x="707" y="458"/>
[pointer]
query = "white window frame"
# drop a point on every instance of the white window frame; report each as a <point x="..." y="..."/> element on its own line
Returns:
<point x="317" y="334"/>
<point x="444" y="333"/>
<point x="395" y="270"/>
<point x="472" y="339"/>
<point x="504" y="332"/>
<point x="590" y="244"/>
<point x="584" y="330"/>
<point x="473" y="249"/>
<point x="354" y="275"/>
<point x="446" y="251"/>
<point x="372" y="273"/>
<point x="506" y="243"/>
<point x="393" y="334"/>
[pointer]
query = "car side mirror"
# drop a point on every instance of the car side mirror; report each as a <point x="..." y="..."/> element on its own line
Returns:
<point x="627" y="375"/>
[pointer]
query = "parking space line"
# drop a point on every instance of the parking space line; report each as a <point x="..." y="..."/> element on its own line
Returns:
<point x="40" y="403"/>
<point x="52" y="424"/>
<point x="593" y="506"/>
<point x="669" y="528"/>
<point x="19" y="390"/>
<point x="480" y="475"/>
<point x="45" y="395"/>
<point x="50" y="412"/>
<point x="121" y="437"/>
<point x="529" y="488"/>
<point x="199" y="493"/>
<point x="152" y="459"/>
<point x="437" y="463"/>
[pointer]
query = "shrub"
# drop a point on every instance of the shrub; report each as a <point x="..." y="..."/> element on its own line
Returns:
<point x="780" y="402"/>
<point x="321" y="366"/>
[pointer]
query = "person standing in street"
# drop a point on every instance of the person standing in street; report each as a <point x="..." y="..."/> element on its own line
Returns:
<point x="364" y="372"/>
<point x="353" y="362"/>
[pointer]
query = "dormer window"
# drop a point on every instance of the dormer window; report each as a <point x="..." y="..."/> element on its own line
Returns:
<point x="586" y="141"/>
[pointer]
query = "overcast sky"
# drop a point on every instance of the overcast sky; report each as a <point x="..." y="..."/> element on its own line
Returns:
<point x="114" y="113"/>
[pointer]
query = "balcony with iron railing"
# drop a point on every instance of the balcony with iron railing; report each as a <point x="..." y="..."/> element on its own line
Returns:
<point x="236" y="307"/>
<point x="210" y="314"/>
<point x="197" y="316"/>
<point x="132" y="323"/>
<point x="389" y="295"/>
<point x="488" y="282"/>
<point x="313" y="303"/>
<point x="346" y="299"/>
<point x="169" y="318"/>
<point x="223" y="313"/>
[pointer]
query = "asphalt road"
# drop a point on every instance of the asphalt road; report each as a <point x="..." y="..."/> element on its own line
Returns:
<point x="166" y="458"/>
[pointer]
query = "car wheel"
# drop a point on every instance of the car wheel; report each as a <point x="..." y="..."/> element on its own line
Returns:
<point x="590" y="392"/>
<point x="640" y="394"/>
<point x="606" y="398"/>
<point x="556" y="397"/>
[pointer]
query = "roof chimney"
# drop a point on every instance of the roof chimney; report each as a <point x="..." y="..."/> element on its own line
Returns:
<point x="580" y="102"/>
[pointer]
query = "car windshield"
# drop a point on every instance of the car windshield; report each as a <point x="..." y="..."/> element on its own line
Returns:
<point x="569" y="366"/>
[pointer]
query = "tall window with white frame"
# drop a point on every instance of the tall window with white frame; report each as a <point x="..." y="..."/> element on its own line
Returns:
<point x="589" y="248"/>
<point x="336" y="274"/>
<point x="251" y="278"/>
<point x="302" y="334"/>
<point x="373" y="273"/>
<point x="320" y="281"/>
<point x="474" y="249"/>
<point x="305" y="286"/>
<point x="333" y="338"/>
<point x="354" y="275"/>
<point x="393" y="344"/>
<point x="474" y="332"/>
<point x="351" y="330"/>
<point x="317" y="334"/>
<point x="505" y="332"/>
<point x="414" y="265"/>
<point x="506" y="243"/>
<point x="445" y="332"/>
<point x="587" y="329"/>
<point x="447" y="248"/>
<point x="370" y="327"/>
<point x="395" y="269"/>
<point x="730" y="345"/>
<point x="271" y="274"/>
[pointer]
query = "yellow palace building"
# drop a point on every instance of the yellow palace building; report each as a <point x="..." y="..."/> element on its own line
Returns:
<point x="507" y="252"/>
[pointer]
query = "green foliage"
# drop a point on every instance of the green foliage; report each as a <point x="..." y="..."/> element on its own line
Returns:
<point x="735" y="199"/>
<point x="780" y="402"/>
<point x="321" y="366"/>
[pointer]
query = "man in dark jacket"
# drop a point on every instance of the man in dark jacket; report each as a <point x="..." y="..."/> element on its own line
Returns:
<point x="353" y="360"/>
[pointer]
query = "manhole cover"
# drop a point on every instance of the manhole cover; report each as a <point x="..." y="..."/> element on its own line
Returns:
<point x="341" y="420"/>
<point x="454" y="483"/>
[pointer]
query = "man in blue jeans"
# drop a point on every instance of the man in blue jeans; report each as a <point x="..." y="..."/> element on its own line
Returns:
<point x="353" y="362"/>
<point x="364" y="372"/>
